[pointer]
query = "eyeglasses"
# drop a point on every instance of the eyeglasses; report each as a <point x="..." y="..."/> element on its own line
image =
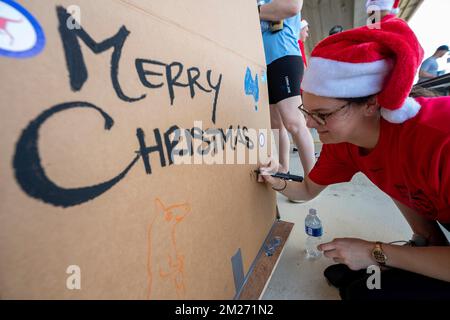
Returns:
<point x="321" y="118"/>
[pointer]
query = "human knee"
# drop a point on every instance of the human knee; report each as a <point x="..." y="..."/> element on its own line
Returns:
<point x="294" y="127"/>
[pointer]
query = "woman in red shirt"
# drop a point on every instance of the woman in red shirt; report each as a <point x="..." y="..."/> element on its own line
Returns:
<point x="356" y="95"/>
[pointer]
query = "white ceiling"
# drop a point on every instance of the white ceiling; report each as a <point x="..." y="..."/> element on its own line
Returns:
<point x="322" y="15"/>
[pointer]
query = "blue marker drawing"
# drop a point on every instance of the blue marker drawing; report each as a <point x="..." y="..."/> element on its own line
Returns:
<point x="263" y="77"/>
<point x="251" y="86"/>
<point x="21" y="35"/>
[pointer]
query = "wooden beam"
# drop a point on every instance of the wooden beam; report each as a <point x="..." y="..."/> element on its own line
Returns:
<point x="264" y="266"/>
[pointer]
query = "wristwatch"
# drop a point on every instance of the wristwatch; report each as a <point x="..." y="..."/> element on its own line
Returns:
<point x="378" y="254"/>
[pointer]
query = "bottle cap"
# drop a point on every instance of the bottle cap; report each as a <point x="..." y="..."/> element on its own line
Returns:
<point x="312" y="211"/>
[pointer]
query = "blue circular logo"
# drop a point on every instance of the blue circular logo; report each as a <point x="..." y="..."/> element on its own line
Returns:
<point x="21" y="36"/>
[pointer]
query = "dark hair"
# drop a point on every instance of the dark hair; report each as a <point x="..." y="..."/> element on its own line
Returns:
<point x="416" y="92"/>
<point x="443" y="48"/>
<point x="336" y="29"/>
<point x="361" y="100"/>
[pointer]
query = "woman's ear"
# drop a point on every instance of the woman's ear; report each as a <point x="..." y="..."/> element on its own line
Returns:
<point x="372" y="107"/>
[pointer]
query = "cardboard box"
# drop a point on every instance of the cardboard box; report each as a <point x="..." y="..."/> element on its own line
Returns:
<point x="92" y="204"/>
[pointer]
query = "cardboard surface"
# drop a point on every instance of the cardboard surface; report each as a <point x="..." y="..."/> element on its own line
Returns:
<point x="84" y="198"/>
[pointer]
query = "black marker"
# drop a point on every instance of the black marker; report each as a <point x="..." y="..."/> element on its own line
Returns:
<point x="284" y="176"/>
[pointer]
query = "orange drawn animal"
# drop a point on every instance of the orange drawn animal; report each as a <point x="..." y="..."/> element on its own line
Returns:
<point x="165" y="266"/>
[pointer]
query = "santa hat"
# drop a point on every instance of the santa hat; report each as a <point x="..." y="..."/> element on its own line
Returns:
<point x="378" y="5"/>
<point x="303" y="24"/>
<point x="364" y="62"/>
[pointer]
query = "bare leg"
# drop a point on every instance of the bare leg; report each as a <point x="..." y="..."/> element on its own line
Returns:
<point x="295" y="123"/>
<point x="281" y="136"/>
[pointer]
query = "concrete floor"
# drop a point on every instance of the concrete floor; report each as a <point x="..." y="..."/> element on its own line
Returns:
<point x="356" y="209"/>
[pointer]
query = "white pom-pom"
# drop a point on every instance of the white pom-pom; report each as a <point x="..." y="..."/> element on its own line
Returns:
<point x="409" y="110"/>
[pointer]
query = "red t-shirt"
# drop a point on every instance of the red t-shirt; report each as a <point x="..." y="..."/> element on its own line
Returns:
<point x="411" y="162"/>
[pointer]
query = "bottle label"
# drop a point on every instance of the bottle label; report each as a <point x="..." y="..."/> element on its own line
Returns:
<point x="314" y="232"/>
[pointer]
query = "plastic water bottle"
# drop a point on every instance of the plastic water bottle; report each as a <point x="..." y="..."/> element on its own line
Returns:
<point x="314" y="231"/>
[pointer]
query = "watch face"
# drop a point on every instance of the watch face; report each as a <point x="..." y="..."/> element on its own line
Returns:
<point x="379" y="256"/>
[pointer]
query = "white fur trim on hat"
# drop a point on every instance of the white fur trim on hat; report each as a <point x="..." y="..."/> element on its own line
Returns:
<point x="335" y="79"/>
<point x="408" y="111"/>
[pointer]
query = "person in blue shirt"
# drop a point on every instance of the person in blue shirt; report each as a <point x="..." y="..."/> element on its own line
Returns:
<point x="429" y="68"/>
<point x="284" y="74"/>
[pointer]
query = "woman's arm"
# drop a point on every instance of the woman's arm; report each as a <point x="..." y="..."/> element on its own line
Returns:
<point x="280" y="9"/>
<point x="303" y="191"/>
<point x="425" y="228"/>
<point x="432" y="262"/>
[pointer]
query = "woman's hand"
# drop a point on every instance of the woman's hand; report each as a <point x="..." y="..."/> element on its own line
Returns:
<point x="265" y="172"/>
<point x="355" y="253"/>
